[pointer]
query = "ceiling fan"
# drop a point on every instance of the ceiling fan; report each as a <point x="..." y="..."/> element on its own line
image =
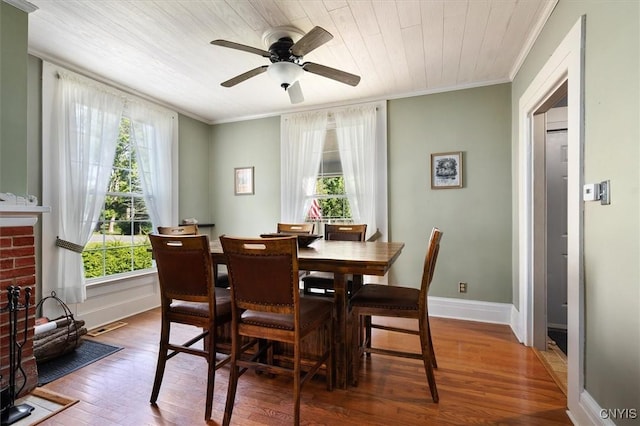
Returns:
<point x="286" y="55"/>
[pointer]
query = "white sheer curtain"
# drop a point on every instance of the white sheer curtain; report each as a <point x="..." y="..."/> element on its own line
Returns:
<point x="152" y="134"/>
<point x="88" y="121"/>
<point x="302" y="140"/>
<point x="356" y="134"/>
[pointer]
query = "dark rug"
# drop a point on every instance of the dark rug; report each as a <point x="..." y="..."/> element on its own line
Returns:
<point x="88" y="352"/>
<point x="560" y="337"/>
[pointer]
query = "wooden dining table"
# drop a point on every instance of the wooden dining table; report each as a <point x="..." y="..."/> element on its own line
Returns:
<point x="343" y="258"/>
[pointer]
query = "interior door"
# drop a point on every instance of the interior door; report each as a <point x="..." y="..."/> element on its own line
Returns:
<point x="556" y="262"/>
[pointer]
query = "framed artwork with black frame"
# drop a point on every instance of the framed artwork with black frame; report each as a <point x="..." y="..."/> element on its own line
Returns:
<point x="243" y="181"/>
<point x="446" y="170"/>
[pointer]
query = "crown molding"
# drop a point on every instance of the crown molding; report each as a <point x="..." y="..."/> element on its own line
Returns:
<point x="23" y="5"/>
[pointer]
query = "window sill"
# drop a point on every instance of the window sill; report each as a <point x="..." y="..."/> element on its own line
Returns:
<point x="120" y="278"/>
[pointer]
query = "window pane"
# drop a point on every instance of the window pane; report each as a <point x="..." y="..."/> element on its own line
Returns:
<point x="330" y="191"/>
<point x="331" y="164"/>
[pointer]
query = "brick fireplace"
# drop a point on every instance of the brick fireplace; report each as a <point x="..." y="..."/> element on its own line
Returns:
<point x="18" y="268"/>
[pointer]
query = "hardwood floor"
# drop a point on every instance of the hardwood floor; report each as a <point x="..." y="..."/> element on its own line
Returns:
<point x="484" y="377"/>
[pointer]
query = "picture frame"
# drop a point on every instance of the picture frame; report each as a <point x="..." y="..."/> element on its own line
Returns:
<point x="446" y="170"/>
<point x="243" y="180"/>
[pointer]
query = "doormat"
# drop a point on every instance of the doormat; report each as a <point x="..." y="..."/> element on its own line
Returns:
<point x="45" y="403"/>
<point x="88" y="352"/>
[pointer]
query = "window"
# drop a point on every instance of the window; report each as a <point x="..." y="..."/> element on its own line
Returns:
<point x="119" y="243"/>
<point x="330" y="191"/>
<point x="335" y="161"/>
<point x="106" y="179"/>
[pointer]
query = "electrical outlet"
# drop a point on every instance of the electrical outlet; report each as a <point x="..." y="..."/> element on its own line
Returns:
<point x="462" y="287"/>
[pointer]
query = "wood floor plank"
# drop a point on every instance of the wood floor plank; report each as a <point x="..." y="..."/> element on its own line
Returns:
<point x="484" y="377"/>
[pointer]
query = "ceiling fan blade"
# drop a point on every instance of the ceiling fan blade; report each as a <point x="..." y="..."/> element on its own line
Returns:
<point x="244" y="76"/>
<point x="311" y="41"/>
<point x="332" y="73"/>
<point x="243" y="47"/>
<point x="295" y="93"/>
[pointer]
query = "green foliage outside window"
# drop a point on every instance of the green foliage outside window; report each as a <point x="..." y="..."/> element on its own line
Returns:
<point x="114" y="258"/>
<point x="332" y="198"/>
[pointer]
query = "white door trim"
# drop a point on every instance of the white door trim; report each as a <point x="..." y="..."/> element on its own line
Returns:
<point x="566" y="62"/>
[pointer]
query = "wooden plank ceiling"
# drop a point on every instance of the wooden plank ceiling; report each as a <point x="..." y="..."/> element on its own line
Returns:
<point x="399" y="48"/>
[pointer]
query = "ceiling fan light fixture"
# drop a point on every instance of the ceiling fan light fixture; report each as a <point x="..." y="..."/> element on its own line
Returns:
<point x="285" y="73"/>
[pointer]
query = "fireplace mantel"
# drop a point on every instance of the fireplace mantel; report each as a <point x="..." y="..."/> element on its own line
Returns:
<point x="20" y="214"/>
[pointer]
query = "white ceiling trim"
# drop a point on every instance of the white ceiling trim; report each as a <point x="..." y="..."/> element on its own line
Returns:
<point x="23" y="5"/>
<point x="365" y="101"/>
<point x="533" y="36"/>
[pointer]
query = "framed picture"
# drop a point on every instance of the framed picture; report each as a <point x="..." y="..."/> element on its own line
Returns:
<point x="243" y="180"/>
<point x="446" y="170"/>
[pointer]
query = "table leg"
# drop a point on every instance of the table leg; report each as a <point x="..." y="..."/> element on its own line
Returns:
<point x="341" y="339"/>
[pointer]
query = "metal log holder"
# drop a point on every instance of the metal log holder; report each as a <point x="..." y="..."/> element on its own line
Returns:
<point x="9" y="412"/>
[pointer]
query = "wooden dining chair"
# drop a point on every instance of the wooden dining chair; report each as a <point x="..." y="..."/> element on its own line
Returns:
<point x="296" y="228"/>
<point x="220" y="279"/>
<point x="188" y="297"/>
<point x="321" y="283"/>
<point x="399" y="302"/>
<point x="266" y="305"/>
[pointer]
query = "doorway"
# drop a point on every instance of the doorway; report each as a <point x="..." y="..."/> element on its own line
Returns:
<point x="556" y="247"/>
<point x="566" y="64"/>
<point x="550" y="160"/>
<point x="550" y="173"/>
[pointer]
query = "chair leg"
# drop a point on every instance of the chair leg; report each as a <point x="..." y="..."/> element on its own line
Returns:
<point x="331" y="359"/>
<point x="356" y="346"/>
<point x="296" y="385"/>
<point x="425" y="343"/>
<point x="210" y="346"/>
<point x="433" y="352"/>
<point x="367" y="330"/>
<point x="234" y="373"/>
<point x="162" y="360"/>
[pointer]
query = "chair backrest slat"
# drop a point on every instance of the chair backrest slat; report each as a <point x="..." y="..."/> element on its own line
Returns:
<point x="345" y="232"/>
<point x="178" y="230"/>
<point x="296" y="228"/>
<point x="429" y="265"/>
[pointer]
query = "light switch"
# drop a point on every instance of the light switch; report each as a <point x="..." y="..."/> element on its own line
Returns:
<point x="591" y="192"/>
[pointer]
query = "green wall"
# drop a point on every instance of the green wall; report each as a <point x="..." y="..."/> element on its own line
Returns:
<point x="194" y="169"/>
<point x="611" y="151"/>
<point x="253" y="143"/>
<point x="476" y="219"/>
<point x="13" y="99"/>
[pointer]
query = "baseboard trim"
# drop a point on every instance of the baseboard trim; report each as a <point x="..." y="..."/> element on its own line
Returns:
<point x="470" y="310"/>
<point x="517" y="324"/>
<point x="589" y="412"/>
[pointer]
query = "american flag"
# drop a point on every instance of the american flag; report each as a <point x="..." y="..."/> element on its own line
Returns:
<point x="315" y="212"/>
